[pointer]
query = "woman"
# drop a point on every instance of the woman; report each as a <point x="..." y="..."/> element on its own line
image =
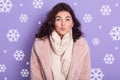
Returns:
<point x="60" y="52"/>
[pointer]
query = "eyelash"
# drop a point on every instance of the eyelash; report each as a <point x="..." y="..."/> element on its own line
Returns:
<point x="60" y="19"/>
<point x="68" y="19"/>
<point x="57" y="19"/>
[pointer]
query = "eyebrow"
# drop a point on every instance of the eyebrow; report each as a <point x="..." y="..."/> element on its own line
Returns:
<point x="65" y="17"/>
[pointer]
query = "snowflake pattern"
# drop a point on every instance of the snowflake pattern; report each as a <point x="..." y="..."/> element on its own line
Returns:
<point x="37" y="3"/>
<point x="75" y="3"/>
<point x="105" y="10"/>
<point x="5" y="5"/>
<point x="109" y="59"/>
<point x="115" y="33"/>
<point x="23" y="18"/>
<point x="5" y="78"/>
<point x="19" y="55"/>
<point x="27" y="63"/>
<point x="24" y="73"/>
<point x="100" y="27"/>
<point x="2" y="68"/>
<point x="4" y="51"/>
<point x="21" y="4"/>
<point x="116" y="48"/>
<point x="98" y="19"/>
<point x="96" y="74"/>
<point x="13" y="35"/>
<point x="87" y="18"/>
<point x="39" y="22"/>
<point x="95" y="41"/>
<point x="116" y="4"/>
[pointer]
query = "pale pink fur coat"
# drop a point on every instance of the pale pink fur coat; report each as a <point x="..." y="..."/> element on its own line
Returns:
<point x="40" y="63"/>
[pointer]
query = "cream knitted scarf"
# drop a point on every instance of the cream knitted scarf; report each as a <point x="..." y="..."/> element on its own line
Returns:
<point x="63" y="48"/>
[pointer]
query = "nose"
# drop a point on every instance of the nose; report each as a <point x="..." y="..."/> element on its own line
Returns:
<point x="63" y="23"/>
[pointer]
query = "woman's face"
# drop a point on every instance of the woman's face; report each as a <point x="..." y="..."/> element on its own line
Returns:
<point x="63" y="23"/>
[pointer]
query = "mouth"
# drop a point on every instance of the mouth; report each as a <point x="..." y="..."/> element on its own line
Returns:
<point x="62" y="29"/>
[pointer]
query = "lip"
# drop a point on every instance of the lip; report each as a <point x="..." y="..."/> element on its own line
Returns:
<point x="62" y="29"/>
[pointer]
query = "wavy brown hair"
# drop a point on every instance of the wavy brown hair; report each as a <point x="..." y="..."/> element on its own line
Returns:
<point x="48" y="26"/>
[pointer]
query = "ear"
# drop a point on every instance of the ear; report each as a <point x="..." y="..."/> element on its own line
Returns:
<point x="72" y="25"/>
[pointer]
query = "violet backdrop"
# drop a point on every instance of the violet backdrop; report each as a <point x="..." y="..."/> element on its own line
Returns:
<point x="20" y="20"/>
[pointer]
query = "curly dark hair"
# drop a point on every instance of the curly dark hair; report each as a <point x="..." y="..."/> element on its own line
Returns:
<point x="48" y="26"/>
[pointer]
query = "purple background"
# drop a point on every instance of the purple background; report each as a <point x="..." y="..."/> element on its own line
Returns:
<point x="99" y="27"/>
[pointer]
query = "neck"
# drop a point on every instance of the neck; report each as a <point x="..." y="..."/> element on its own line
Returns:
<point x="61" y="36"/>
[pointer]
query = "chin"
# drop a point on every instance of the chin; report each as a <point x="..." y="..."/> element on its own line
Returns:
<point x="63" y="34"/>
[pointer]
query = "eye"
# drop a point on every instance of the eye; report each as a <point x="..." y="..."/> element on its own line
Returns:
<point x="68" y="19"/>
<point x="57" y="19"/>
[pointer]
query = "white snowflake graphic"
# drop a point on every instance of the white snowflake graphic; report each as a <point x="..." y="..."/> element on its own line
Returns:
<point x="23" y="18"/>
<point x="21" y="4"/>
<point x="116" y="4"/>
<point x="105" y="10"/>
<point x="37" y="3"/>
<point x="5" y="5"/>
<point x="96" y="74"/>
<point x="24" y="73"/>
<point x="87" y="18"/>
<point x="5" y="78"/>
<point x="115" y="33"/>
<point x="39" y="22"/>
<point x="116" y="48"/>
<point x="4" y="51"/>
<point x="27" y="63"/>
<point x="100" y="27"/>
<point x="19" y="55"/>
<point x="13" y="35"/>
<point x="109" y="59"/>
<point x="75" y="3"/>
<point x="2" y="68"/>
<point x="95" y="41"/>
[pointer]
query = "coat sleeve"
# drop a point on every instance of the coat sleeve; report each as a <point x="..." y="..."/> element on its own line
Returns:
<point x="35" y="68"/>
<point x="85" y="73"/>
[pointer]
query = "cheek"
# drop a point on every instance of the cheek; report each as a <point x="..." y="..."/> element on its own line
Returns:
<point x="71" y="25"/>
<point x="57" y="24"/>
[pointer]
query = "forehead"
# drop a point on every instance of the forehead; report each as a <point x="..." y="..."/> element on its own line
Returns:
<point x="63" y="13"/>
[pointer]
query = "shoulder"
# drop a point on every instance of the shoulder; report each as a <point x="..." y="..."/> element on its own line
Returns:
<point x="82" y="42"/>
<point x="40" y="42"/>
